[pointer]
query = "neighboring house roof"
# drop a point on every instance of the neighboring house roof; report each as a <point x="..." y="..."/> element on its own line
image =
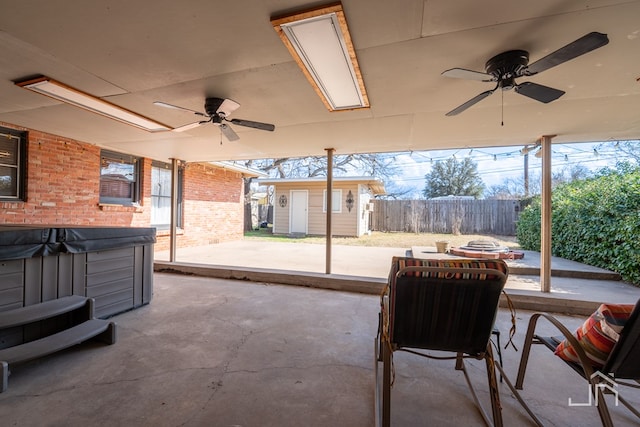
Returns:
<point x="376" y="185"/>
<point x="239" y="168"/>
<point x="452" y="197"/>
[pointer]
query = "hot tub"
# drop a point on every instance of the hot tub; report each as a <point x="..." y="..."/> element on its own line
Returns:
<point x="113" y="265"/>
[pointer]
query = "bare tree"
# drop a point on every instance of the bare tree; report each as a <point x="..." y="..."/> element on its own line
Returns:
<point x="627" y="150"/>
<point x="513" y="188"/>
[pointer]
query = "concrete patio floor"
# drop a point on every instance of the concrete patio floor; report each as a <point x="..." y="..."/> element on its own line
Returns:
<point x="214" y="352"/>
<point x="575" y="288"/>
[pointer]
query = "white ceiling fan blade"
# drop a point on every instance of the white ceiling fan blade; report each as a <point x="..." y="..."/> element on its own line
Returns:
<point x="189" y="126"/>
<point x="175" y="107"/>
<point x="229" y="133"/>
<point x="228" y="106"/>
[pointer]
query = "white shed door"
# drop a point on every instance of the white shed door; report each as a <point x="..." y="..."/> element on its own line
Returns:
<point x="298" y="212"/>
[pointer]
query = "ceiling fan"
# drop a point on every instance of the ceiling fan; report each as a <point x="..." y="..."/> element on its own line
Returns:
<point x="217" y="111"/>
<point x="505" y="67"/>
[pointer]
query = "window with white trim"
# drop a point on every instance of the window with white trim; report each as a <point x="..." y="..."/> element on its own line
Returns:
<point x="336" y="201"/>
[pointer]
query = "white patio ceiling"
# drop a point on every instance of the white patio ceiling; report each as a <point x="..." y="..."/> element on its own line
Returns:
<point x="179" y="52"/>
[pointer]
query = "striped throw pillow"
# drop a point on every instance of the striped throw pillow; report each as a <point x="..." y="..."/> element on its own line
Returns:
<point x="598" y="334"/>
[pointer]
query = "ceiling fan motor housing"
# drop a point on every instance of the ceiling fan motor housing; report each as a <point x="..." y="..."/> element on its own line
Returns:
<point x="506" y="66"/>
<point x="211" y="106"/>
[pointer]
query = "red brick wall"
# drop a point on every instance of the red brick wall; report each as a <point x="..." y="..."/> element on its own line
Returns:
<point x="213" y="207"/>
<point x="63" y="185"/>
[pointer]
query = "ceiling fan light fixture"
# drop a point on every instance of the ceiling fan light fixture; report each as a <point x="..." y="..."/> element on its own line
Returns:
<point x="321" y="45"/>
<point x="61" y="92"/>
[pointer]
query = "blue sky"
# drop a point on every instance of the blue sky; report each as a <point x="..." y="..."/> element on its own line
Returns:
<point x="499" y="163"/>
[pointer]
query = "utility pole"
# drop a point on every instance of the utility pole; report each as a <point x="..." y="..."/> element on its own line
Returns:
<point x="525" y="153"/>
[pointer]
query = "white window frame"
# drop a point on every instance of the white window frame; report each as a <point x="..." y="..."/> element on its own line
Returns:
<point x="156" y="165"/>
<point x="336" y="207"/>
<point x="106" y="157"/>
<point x="18" y="138"/>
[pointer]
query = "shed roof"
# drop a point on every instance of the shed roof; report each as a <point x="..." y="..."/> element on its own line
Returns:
<point x="376" y="185"/>
<point x="245" y="171"/>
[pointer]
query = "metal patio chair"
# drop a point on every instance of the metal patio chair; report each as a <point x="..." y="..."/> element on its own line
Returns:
<point x="440" y="305"/>
<point x="623" y="363"/>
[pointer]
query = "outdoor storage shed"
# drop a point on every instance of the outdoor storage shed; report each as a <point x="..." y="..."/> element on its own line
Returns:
<point x="299" y="205"/>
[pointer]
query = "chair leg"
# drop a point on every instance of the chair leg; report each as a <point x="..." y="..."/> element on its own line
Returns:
<point x="496" y="332"/>
<point x="601" y="404"/>
<point x="460" y="362"/>
<point x="380" y="326"/>
<point x="496" y="408"/>
<point x="518" y="397"/>
<point x="4" y="376"/>
<point x="629" y="406"/>
<point x="386" y="385"/>
<point x="493" y="390"/>
<point x="376" y="378"/>
<point x="377" y="361"/>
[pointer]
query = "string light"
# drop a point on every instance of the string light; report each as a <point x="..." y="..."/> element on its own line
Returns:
<point x="604" y="156"/>
<point x="569" y="153"/>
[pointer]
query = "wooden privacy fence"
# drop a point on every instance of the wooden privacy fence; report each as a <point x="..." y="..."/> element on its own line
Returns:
<point x="455" y="216"/>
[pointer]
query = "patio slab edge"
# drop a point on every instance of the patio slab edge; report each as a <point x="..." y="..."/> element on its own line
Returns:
<point x="575" y="274"/>
<point x="337" y="282"/>
<point x="521" y="299"/>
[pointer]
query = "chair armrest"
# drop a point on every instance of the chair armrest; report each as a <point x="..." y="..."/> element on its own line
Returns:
<point x="568" y="335"/>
